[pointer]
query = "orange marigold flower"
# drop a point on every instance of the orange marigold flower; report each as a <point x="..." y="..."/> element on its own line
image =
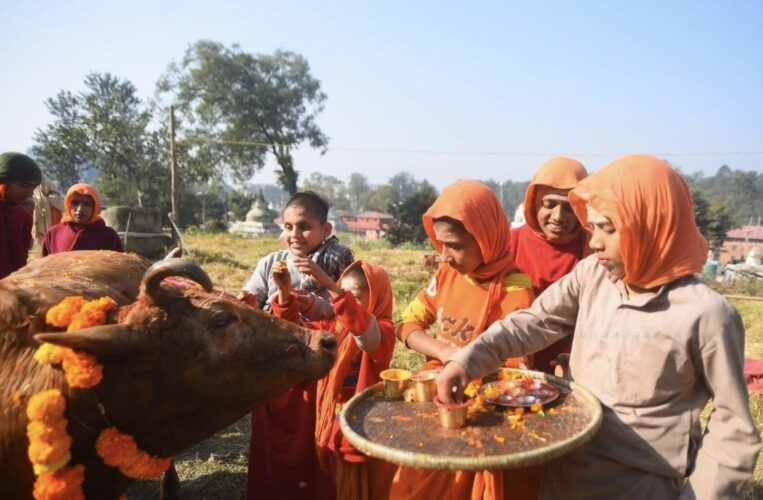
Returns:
<point x="18" y="398"/>
<point x="64" y="484"/>
<point x="536" y="407"/>
<point x="92" y="313"/>
<point x="49" y="354"/>
<point x="48" y="454"/>
<point x="51" y="467"/>
<point x="46" y="433"/>
<point x="61" y="314"/>
<point x="115" y="447"/>
<point x="120" y="450"/>
<point x="82" y="370"/>
<point x="47" y="406"/>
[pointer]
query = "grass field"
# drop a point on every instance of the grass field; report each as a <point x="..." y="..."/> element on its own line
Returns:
<point x="216" y="468"/>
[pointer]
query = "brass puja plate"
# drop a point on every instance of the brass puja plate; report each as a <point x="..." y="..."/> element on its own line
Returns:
<point x="494" y="437"/>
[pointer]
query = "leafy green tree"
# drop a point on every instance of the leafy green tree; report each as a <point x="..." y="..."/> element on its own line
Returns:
<point x="720" y="221"/>
<point x="357" y="191"/>
<point x="239" y="203"/>
<point x="404" y="183"/>
<point x="406" y="225"/>
<point x="107" y="126"/>
<point x="246" y="107"/>
<point x="701" y="208"/>
<point x="60" y="148"/>
<point x="330" y="188"/>
<point x="382" y="198"/>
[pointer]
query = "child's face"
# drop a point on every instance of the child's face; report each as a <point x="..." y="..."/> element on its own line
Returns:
<point x="82" y="208"/>
<point x="459" y="248"/>
<point x="303" y="232"/>
<point x="18" y="192"/>
<point x="605" y="242"/>
<point x="358" y="290"/>
<point x="555" y="216"/>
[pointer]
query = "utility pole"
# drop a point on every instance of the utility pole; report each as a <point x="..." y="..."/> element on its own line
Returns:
<point x="173" y="165"/>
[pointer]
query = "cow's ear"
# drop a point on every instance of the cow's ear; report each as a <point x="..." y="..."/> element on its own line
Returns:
<point x="104" y="340"/>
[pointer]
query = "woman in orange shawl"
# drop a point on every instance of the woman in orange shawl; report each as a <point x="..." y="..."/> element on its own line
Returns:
<point x="552" y="240"/>
<point x="476" y="284"/>
<point x="362" y="322"/>
<point x="652" y="342"/>
<point x="81" y="227"/>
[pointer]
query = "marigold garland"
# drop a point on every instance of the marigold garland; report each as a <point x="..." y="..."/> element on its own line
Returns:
<point x="63" y="484"/>
<point x="120" y="450"/>
<point x="82" y="370"/>
<point x="49" y="441"/>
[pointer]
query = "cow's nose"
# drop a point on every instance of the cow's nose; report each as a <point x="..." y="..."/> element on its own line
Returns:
<point x="328" y="343"/>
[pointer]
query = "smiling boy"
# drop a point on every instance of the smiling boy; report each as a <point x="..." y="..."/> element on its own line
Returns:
<point x="81" y="227"/>
<point x="315" y="259"/>
<point x="651" y="341"/>
<point x="552" y="241"/>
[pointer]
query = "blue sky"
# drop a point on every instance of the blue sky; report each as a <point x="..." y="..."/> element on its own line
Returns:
<point x="444" y="90"/>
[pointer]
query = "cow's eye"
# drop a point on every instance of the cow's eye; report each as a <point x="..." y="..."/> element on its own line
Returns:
<point x="221" y="319"/>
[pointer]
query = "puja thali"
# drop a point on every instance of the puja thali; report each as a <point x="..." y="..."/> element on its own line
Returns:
<point x="496" y="435"/>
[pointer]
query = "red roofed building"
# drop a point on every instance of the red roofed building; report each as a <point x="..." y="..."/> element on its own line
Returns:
<point x="739" y="242"/>
<point x="368" y="225"/>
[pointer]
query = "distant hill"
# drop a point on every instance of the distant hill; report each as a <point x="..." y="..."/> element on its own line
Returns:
<point x="741" y="190"/>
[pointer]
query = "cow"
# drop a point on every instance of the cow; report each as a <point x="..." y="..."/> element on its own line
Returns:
<point x="180" y="362"/>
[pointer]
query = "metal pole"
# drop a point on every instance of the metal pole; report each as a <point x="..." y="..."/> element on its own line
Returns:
<point x="173" y="164"/>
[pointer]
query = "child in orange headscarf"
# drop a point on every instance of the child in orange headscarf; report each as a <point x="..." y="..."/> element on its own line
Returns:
<point x="552" y="241"/>
<point x="651" y="341"/>
<point x="476" y="284"/>
<point x="361" y="319"/>
<point x="81" y="227"/>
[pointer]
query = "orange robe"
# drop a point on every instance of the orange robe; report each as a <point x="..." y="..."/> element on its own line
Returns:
<point x="458" y="308"/>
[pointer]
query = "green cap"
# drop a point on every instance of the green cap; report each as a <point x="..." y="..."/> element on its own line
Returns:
<point x="16" y="167"/>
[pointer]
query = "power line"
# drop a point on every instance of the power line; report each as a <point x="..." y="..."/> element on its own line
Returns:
<point x="466" y="153"/>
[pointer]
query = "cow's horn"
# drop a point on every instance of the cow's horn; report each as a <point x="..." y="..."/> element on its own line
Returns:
<point x="173" y="267"/>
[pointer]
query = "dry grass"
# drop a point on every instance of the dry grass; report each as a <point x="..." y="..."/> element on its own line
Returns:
<point x="216" y="468"/>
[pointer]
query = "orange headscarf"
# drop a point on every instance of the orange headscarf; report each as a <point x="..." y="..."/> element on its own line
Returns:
<point x="649" y="204"/>
<point x="84" y="190"/>
<point x="477" y="207"/>
<point x="558" y="173"/>
<point x="329" y="388"/>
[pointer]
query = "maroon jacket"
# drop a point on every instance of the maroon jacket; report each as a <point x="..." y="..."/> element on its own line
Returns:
<point x="15" y="237"/>
<point x="68" y="236"/>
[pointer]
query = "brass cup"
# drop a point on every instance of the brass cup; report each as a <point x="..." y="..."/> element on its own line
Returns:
<point x="424" y="386"/>
<point x="452" y="416"/>
<point x="395" y="382"/>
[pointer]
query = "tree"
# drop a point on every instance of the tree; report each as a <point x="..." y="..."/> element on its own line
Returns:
<point x="712" y="217"/>
<point x="404" y="183"/>
<point x="357" y="191"/>
<point x="382" y="198"/>
<point x="720" y="221"/>
<point x="406" y="225"/>
<point x="330" y="188"/>
<point x="60" y="147"/>
<point x="246" y="107"/>
<point x="107" y="126"/>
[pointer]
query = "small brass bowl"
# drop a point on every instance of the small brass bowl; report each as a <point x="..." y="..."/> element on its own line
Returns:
<point x="395" y="382"/>
<point x="424" y="386"/>
<point x="452" y="415"/>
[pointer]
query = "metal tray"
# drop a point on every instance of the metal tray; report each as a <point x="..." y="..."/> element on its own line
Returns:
<point x="410" y="434"/>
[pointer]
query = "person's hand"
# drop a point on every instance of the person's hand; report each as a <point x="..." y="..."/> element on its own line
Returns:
<point x="446" y="351"/>
<point x="304" y="299"/>
<point x="309" y="267"/>
<point x="561" y="365"/>
<point x="451" y="383"/>
<point x="248" y="298"/>
<point x="281" y="277"/>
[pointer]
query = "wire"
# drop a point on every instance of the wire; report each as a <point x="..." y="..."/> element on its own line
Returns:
<point x="471" y="153"/>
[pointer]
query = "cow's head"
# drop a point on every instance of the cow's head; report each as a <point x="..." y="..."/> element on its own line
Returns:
<point x="183" y="362"/>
